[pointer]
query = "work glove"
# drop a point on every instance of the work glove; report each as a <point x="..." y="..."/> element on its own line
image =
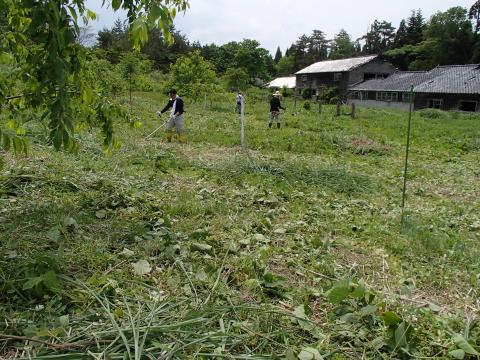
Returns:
<point x="159" y="113"/>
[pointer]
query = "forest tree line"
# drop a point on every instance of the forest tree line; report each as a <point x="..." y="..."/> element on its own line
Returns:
<point x="450" y="37"/>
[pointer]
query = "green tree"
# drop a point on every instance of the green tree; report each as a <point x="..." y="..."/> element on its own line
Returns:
<point x="379" y="38"/>
<point x="254" y="59"/>
<point x="401" y="36"/>
<point x="318" y="47"/>
<point x="474" y="15"/>
<point x="40" y="36"/>
<point x="448" y="39"/>
<point x="278" y="55"/>
<point x="286" y="65"/>
<point x="415" y="28"/>
<point x="342" y="46"/>
<point x="236" y="79"/>
<point x="162" y="53"/>
<point x="193" y="76"/>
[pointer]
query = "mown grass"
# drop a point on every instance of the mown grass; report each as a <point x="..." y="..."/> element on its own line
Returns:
<point x="287" y="248"/>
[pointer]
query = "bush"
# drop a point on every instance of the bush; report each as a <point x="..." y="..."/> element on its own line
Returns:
<point x="307" y="105"/>
<point x="286" y="92"/>
<point x="329" y="95"/>
<point x="307" y="93"/>
<point x="433" y="114"/>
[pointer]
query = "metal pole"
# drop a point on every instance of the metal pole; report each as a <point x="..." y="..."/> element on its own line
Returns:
<point x="405" y="173"/>
<point x="242" y="122"/>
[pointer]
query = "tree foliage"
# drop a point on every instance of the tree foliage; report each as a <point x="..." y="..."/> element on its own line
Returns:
<point x="39" y="38"/>
<point x="342" y="46"/>
<point x="193" y="76"/>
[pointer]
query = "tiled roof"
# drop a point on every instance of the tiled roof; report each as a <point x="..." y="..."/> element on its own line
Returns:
<point x="456" y="79"/>
<point x="289" y="82"/>
<point x="399" y="81"/>
<point x="451" y="79"/>
<point x="336" y="65"/>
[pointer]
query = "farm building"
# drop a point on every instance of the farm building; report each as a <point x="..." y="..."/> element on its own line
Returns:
<point x="283" y="82"/>
<point x="342" y="73"/>
<point x="452" y="87"/>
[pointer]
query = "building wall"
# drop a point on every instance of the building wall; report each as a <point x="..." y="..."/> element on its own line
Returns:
<point x="380" y="104"/>
<point x="421" y="101"/>
<point x="319" y="80"/>
<point x="450" y="101"/>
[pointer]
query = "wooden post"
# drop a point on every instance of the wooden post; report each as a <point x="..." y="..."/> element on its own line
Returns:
<point x="405" y="172"/>
<point x="354" y="111"/>
<point x="242" y="123"/>
<point x="295" y="105"/>
<point x="338" y="109"/>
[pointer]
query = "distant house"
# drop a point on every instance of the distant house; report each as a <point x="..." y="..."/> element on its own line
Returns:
<point x="342" y="73"/>
<point x="452" y="87"/>
<point x="281" y="82"/>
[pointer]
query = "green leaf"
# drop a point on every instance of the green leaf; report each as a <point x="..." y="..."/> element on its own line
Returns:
<point x="309" y="354"/>
<point x="91" y="15"/>
<point x="142" y="267"/>
<point x="368" y="310"/>
<point x="31" y="283"/>
<point x="50" y="280"/>
<point x="205" y="248"/>
<point x="116" y="4"/>
<point x="290" y="355"/>
<point x="5" y="58"/>
<point x="101" y="214"/>
<point x="139" y="32"/>
<point x="391" y="319"/>
<point x="401" y="335"/>
<point x="463" y="344"/>
<point x="53" y="234"/>
<point x="359" y="291"/>
<point x="63" y="321"/>
<point x="338" y="293"/>
<point x="457" y="354"/>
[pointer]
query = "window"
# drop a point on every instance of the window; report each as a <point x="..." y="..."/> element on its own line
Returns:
<point x="387" y="96"/>
<point x="406" y="97"/>
<point x="337" y="77"/>
<point x="356" y="95"/>
<point x="465" y="105"/>
<point x="435" y="103"/>
<point x="304" y="78"/>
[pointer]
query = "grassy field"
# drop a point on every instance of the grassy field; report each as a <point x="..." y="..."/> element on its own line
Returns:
<point x="289" y="249"/>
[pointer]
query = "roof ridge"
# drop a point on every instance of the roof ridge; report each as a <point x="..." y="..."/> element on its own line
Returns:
<point x="453" y="66"/>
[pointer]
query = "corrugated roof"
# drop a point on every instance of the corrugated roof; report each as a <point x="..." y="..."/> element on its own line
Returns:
<point x="453" y="79"/>
<point x="336" y="65"/>
<point x="289" y="82"/>
<point x="450" y="79"/>
<point x="399" y="81"/>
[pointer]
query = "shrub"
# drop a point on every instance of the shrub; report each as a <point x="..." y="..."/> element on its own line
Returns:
<point x="307" y="93"/>
<point x="307" y="105"/>
<point x="330" y="95"/>
<point x="433" y="114"/>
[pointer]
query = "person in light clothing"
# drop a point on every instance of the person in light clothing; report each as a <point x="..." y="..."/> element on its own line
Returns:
<point x="239" y="100"/>
<point x="176" y="116"/>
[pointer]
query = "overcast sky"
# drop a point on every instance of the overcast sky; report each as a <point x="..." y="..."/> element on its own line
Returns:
<point x="280" y="22"/>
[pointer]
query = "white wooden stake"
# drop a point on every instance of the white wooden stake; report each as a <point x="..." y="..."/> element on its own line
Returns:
<point x="242" y="122"/>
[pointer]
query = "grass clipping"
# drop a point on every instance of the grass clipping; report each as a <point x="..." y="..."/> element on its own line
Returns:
<point x="334" y="179"/>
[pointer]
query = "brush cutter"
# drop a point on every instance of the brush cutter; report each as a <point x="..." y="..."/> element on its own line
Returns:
<point x="154" y="131"/>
